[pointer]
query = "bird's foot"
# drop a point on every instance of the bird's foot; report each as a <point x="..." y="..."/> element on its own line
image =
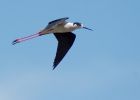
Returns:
<point x="15" y="42"/>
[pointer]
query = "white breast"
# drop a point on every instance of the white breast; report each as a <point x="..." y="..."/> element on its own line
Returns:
<point x="62" y="28"/>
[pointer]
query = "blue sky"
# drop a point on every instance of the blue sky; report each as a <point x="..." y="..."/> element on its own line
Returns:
<point x="101" y="65"/>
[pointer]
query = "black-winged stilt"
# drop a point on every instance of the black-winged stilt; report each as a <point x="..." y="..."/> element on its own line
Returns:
<point x="62" y="30"/>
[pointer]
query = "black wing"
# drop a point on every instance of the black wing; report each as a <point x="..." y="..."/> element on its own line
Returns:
<point x="65" y="41"/>
<point x="53" y="23"/>
<point x="58" y="20"/>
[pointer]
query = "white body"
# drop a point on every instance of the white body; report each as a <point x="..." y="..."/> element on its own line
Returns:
<point x="60" y="28"/>
<point x="66" y="27"/>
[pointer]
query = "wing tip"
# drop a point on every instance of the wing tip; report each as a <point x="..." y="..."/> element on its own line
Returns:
<point x="54" y="66"/>
<point x="66" y="17"/>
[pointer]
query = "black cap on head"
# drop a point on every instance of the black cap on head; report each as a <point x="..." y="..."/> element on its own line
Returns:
<point x="77" y="23"/>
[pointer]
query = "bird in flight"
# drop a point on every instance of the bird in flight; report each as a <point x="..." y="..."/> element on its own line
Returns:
<point x="62" y="30"/>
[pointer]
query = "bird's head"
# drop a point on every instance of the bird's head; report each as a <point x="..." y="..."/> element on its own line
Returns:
<point x="77" y="25"/>
<point x="80" y="25"/>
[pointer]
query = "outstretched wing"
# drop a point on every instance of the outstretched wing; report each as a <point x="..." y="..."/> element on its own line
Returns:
<point x="61" y="20"/>
<point x="65" y="41"/>
<point x="56" y="22"/>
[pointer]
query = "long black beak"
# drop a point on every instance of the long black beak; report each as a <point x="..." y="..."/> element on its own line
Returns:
<point x="87" y="28"/>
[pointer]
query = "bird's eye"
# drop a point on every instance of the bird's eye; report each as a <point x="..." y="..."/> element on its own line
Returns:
<point x="74" y="24"/>
<point x="77" y="23"/>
